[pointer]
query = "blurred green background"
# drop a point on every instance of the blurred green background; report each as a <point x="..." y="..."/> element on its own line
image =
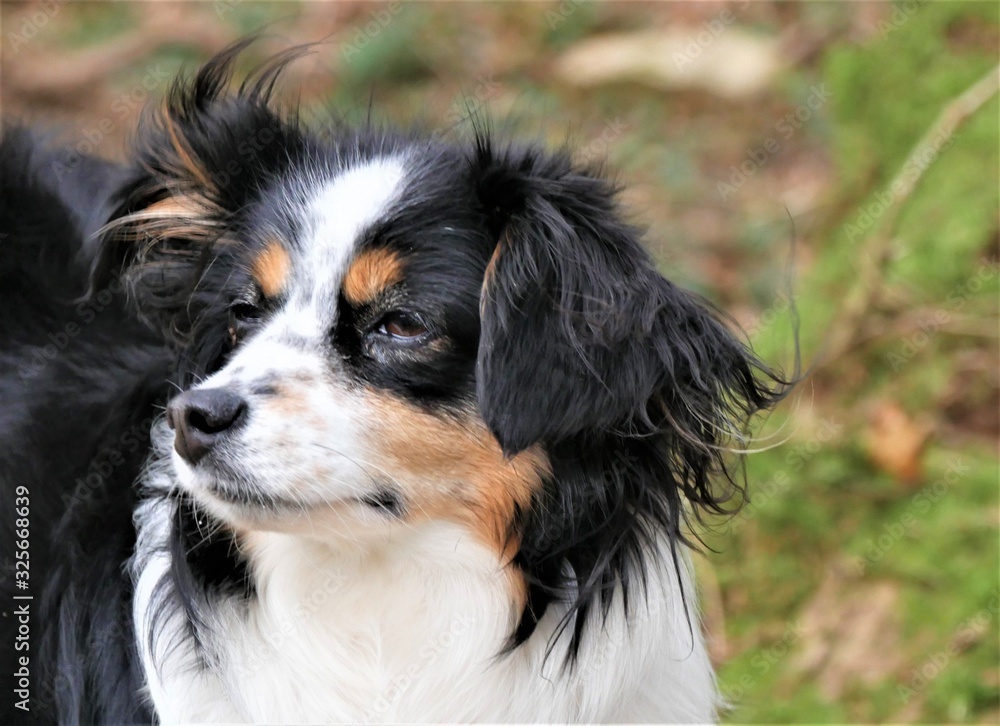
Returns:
<point x="861" y="582"/>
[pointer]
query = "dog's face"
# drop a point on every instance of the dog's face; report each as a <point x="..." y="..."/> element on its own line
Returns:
<point x="347" y="394"/>
<point x="375" y="330"/>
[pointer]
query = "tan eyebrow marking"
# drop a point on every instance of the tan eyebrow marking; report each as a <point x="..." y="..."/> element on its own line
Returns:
<point x="371" y="273"/>
<point x="271" y="268"/>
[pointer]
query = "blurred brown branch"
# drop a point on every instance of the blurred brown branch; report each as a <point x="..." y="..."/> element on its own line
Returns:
<point x="848" y="327"/>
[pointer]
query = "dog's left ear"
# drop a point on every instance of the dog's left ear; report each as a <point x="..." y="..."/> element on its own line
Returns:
<point x="198" y="160"/>
<point x="581" y="334"/>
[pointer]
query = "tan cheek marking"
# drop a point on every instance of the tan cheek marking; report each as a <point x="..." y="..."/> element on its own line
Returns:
<point x="370" y="274"/>
<point x="271" y="268"/>
<point x="455" y="469"/>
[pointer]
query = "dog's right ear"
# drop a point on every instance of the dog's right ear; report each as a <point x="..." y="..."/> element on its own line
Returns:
<point x="197" y="160"/>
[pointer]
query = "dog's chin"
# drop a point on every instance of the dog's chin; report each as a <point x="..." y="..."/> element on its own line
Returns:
<point x="232" y="498"/>
<point x="217" y="496"/>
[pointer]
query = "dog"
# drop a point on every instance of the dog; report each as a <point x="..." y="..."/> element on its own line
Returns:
<point x="350" y="424"/>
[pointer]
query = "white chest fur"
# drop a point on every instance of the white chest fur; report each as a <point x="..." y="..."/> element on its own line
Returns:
<point x="407" y="633"/>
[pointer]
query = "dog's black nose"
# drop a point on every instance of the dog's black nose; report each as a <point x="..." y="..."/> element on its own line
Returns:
<point x="202" y="418"/>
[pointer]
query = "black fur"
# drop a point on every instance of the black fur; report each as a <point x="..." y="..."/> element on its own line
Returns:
<point x="241" y="147"/>
<point x="633" y="386"/>
<point x="76" y="379"/>
<point x="555" y="323"/>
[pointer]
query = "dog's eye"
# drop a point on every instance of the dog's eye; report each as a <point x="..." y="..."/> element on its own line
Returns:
<point x="402" y="326"/>
<point x="242" y="317"/>
<point x="244" y="311"/>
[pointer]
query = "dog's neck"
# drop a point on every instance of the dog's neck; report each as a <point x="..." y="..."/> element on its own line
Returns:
<point x="412" y="630"/>
<point x="374" y="626"/>
<point x="332" y="633"/>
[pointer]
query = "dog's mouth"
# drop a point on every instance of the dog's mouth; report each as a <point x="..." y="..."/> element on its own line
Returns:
<point x="383" y="500"/>
<point x="219" y="485"/>
<point x="247" y="496"/>
<point x="240" y="495"/>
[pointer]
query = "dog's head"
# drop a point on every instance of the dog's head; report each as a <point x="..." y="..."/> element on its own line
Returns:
<point x="378" y="329"/>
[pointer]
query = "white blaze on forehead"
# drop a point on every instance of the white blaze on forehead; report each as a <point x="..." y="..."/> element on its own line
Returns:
<point x="341" y="211"/>
<point x="333" y="219"/>
<point x="335" y="215"/>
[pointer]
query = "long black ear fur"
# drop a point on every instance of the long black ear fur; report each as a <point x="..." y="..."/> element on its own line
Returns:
<point x="198" y="161"/>
<point x="581" y="333"/>
<point x="634" y="386"/>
